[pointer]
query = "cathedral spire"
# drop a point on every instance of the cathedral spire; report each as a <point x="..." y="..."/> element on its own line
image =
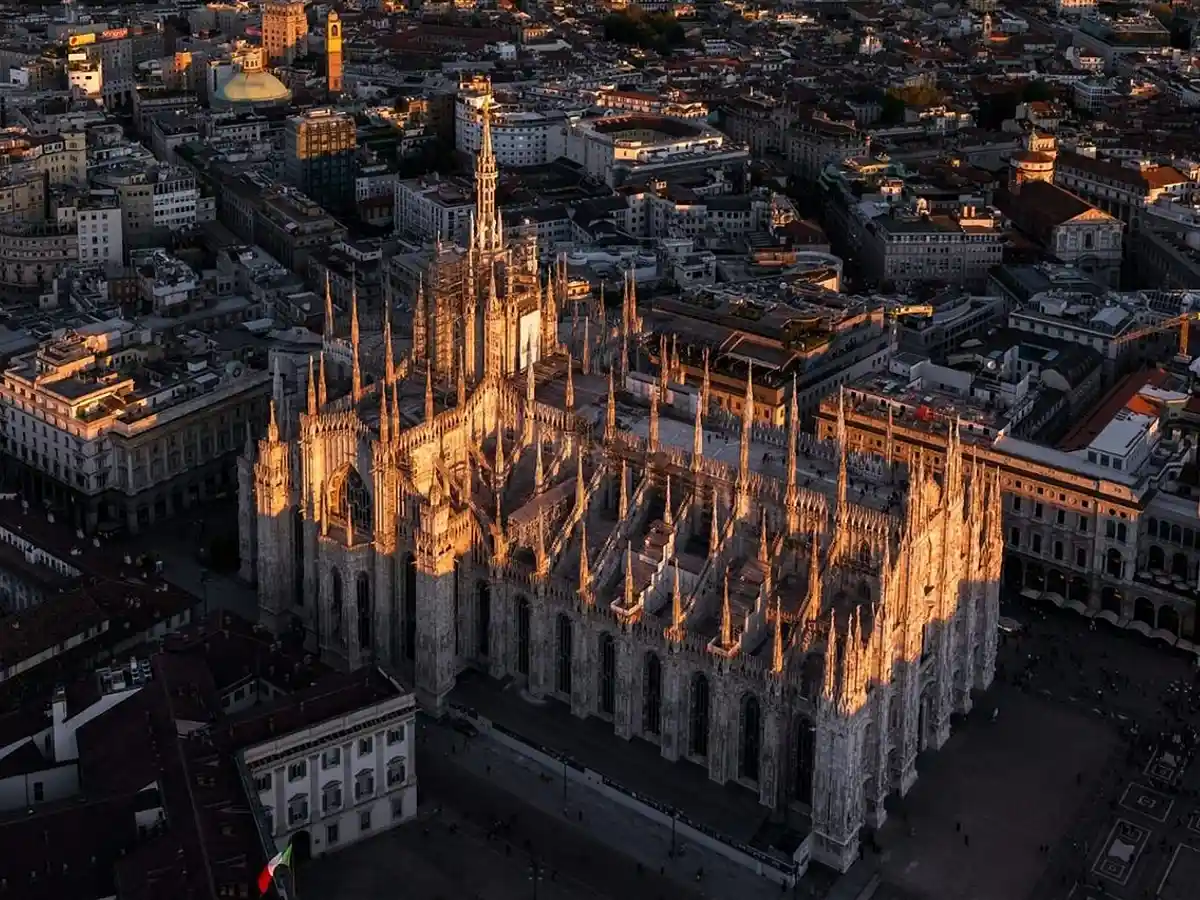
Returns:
<point x="389" y="360"/>
<point x="585" y="572"/>
<point x="499" y="466"/>
<point x="668" y="515"/>
<point x="676" y="601"/>
<point x="706" y="385"/>
<point x="610" y="420"/>
<point x="623" y="502"/>
<point x="273" y="425"/>
<point x="541" y="557"/>
<point x="570" y="383"/>
<point x="629" y="588"/>
<point x="384" y="432"/>
<point x="580" y="485"/>
<point x="355" y="371"/>
<point x="486" y="177"/>
<point x="549" y="320"/>
<point x="812" y="608"/>
<point x="539" y="469"/>
<point x="653" y="431"/>
<point x="429" y="393"/>
<point x="322" y="390"/>
<point x="726" y="616"/>
<point x="777" y="639"/>
<point x="330" y="322"/>
<point x="312" y="388"/>
<point x="698" y="437"/>
<point x="764" y="552"/>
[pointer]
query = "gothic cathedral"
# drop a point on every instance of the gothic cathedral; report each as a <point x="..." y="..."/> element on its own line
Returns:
<point x="479" y="504"/>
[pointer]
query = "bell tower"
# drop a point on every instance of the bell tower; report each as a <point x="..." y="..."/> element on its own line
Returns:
<point x="333" y="53"/>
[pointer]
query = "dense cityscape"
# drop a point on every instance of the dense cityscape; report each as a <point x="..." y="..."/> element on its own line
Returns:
<point x="493" y="450"/>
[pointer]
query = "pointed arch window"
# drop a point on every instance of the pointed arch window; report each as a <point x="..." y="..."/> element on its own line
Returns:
<point x="698" y="716"/>
<point x="652" y="695"/>
<point x="608" y="674"/>
<point x="563" y="678"/>
<point x="336" y="606"/>
<point x="523" y="636"/>
<point x="751" y="741"/>
<point x="363" y="601"/>
<point x="350" y="501"/>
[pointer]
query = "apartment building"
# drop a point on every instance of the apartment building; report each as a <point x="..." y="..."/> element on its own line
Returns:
<point x="104" y="429"/>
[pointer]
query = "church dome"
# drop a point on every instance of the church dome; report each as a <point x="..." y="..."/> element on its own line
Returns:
<point x="253" y="89"/>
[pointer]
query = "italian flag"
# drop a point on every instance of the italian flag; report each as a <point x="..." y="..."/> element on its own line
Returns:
<point x="267" y="878"/>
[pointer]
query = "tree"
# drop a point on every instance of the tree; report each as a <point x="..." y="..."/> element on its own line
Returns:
<point x="891" y="110"/>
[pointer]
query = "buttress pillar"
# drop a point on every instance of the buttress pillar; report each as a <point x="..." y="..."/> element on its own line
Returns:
<point x="943" y="688"/>
<point x="276" y="566"/>
<point x="540" y="642"/>
<point x="384" y="601"/>
<point x="907" y="693"/>
<point x="879" y="780"/>
<point x="837" y="790"/>
<point x="722" y="734"/>
<point x="623" y="709"/>
<point x="770" y="756"/>
<point x="584" y="665"/>
<point x="435" y="610"/>
<point x="501" y="613"/>
<point x="673" y="708"/>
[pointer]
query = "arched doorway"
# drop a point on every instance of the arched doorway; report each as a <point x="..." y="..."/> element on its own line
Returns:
<point x="751" y="741"/>
<point x="1110" y="600"/>
<point x="698" y="716"/>
<point x="1179" y="566"/>
<point x="483" y="618"/>
<point x="410" y="607"/>
<point x="805" y="744"/>
<point x="523" y="636"/>
<point x="1156" y="560"/>
<point x="1143" y="611"/>
<point x="363" y="602"/>
<point x="336" y="606"/>
<point x="652" y="695"/>
<point x="1168" y="619"/>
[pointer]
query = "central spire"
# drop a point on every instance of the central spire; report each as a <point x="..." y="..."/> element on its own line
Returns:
<point x="486" y="177"/>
